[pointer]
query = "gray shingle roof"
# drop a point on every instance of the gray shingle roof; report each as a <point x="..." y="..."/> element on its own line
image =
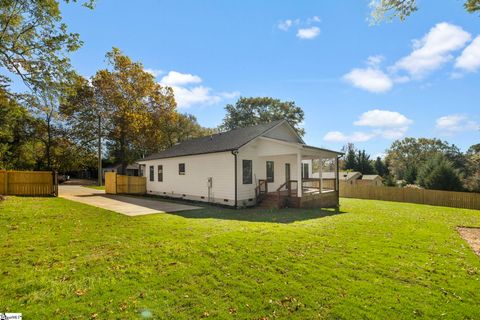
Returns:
<point x="225" y="141"/>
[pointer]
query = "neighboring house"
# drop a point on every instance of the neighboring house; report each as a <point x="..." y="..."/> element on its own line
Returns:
<point x="348" y="177"/>
<point x="242" y="167"/>
<point x="132" y="169"/>
<point x="371" y="180"/>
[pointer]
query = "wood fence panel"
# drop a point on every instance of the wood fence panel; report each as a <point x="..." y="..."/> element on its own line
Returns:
<point x="115" y="183"/>
<point x="28" y="183"/>
<point x="3" y="182"/>
<point x="111" y="182"/>
<point x="467" y="200"/>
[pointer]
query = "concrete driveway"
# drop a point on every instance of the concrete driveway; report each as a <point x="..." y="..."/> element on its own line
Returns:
<point x="130" y="206"/>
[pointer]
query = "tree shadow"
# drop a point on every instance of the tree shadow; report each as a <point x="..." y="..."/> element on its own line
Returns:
<point x="286" y="215"/>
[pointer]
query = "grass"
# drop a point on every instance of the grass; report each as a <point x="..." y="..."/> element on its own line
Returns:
<point x="96" y="187"/>
<point x="374" y="260"/>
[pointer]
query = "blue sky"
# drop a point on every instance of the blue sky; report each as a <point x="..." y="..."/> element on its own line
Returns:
<point x="355" y="82"/>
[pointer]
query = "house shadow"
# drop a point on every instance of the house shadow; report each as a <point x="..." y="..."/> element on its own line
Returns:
<point x="286" y="215"/>
<point x="209" y="211"/>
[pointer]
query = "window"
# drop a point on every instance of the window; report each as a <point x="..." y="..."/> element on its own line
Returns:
<point x="304" y="170"/>
<point x="270" y="171"/>
<point x="247" y="171"/>
<point x="181" y="169"/>
<point x="151" y="173"/>
<point x="160" y="173"/>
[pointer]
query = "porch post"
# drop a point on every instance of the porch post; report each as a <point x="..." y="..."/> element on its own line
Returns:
<point x="320" y="177"/>
<point x="299" y="175"/>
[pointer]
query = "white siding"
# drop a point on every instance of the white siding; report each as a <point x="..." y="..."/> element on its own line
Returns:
<point x="194" y="184"/>
<point x="283" y="132"/>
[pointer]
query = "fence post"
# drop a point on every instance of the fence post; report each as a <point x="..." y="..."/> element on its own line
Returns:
<point x="55" y="183"/>
<point x="116" y="183"/>
<point x="6" y="182"/>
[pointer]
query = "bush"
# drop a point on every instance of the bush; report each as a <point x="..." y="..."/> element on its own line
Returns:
<point x="438" y="173"/>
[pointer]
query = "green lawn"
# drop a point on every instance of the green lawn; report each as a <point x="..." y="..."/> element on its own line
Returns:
<point x="375" y="260"/>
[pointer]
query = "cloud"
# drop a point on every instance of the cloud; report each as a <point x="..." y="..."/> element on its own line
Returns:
<point x="174" y="78"/>
<point x="382" y="118"/>
<point x="385" y="124"/>
<point x="433" y="50"/>
<point x="154" y="72"/>
<point x="337" y="136"/>
<point x="314" y="19"/>
<point x="285" y="25"/>
<point x="188" y="91"/>
<point x="469" y="60"/>
<point x="455" y="123"/>
<point x="371" y="79"/>
<point x="308" y="33"/>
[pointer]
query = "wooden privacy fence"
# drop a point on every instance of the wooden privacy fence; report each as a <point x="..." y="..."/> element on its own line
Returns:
<point x="115" y="183"/>
<point x="28" y="183"/>
<point x="466" y="200"/>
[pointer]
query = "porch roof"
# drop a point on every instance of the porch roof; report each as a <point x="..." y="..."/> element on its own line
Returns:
<point x="311" y="152"/>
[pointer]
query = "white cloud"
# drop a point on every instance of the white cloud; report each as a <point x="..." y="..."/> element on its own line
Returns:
<point x="174" y="78"/>
<point x="154" y="72"/>
<point x="433" y="50"/>
<point x="456" y="123"/>
<point x="308" y="33"/>
<point x="188" y="91"/>
<point x="469" y="60"/>
<point x="385" y="124"/>
<point x="382" y="118"/>
<point x="285" y="25"/>
<point x="337" y="136"/>
<point x="371" y="79"/>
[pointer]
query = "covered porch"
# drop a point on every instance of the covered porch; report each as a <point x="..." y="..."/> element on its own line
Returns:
<point x="308" y="189"/>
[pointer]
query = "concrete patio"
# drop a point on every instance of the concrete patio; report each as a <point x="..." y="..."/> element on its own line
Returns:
<point x="130" y="206"/>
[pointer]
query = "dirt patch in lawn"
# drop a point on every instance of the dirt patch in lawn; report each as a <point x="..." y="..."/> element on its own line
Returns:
<point x="472" y="236"/>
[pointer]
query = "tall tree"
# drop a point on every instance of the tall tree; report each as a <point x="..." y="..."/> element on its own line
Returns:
<point x="34" y="40"/>
<point x="86" y="116"/>
<point x="350" y="162"/>
<point x="17" y="133"/>
<point x="438" y="173"/>
<point x="257" y="110"/>
<point x="138" y="107"/>
<point x="380" y="167"/>
<point x="472" y="176"/>
<point x="389" y="9"/>
<point x="363" y="163"/>
<point x="413" y="152"/>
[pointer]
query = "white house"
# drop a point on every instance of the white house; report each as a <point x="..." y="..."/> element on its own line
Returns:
<point x="242" y="167"/>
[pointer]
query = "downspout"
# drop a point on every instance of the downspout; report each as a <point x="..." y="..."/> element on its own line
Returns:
<point x="235" y="153"/>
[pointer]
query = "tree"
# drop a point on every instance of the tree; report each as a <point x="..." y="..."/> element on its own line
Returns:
<point x="380" y="167"/>
<point x="350" y="162"/>
<point x="85" y="114"/>
<point x="472" y="176"/>
<point x="413" y="152"/>
<point x="139" y="109"/>
<point x="257" y="110"/>
<point x="17" y="134"/>
<point x="411" y="175"/>
<point x="438" y="173"/>
<point x="34" y="41"/>
<point x="363" y="163"/>
<point x="389" y="9"/>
